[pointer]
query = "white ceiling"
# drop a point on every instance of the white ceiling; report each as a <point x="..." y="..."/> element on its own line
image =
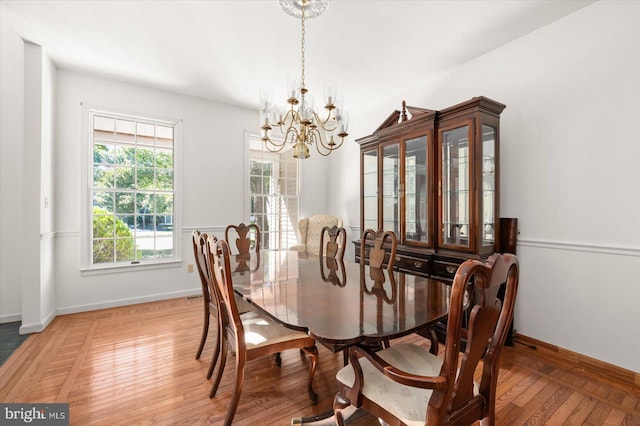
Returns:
<point x="227" y="50"/>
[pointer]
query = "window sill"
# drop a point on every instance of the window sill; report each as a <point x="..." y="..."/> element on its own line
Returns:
<point x="114" y="269"/>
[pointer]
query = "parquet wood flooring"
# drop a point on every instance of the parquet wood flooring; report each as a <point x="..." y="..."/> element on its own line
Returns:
<point x="135" y="365"/>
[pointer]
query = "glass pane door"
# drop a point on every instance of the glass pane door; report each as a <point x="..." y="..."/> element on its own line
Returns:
<point x="370" y="189"/>
<point x="416" y="187"/>
<point x="488" y="185"/>
<point x="455" y="186"/>
<point x="390" y="195"/>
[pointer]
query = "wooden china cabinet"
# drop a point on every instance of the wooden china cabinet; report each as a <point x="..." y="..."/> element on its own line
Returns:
<point x="433" y="178"/>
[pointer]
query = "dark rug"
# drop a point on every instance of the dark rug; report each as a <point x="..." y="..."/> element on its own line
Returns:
<point x="10" y="339"/>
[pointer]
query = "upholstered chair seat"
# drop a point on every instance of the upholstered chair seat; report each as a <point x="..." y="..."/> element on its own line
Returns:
<point x="406" y="403"/>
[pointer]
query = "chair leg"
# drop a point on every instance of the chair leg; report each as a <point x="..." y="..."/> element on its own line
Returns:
<point x="205" y="332"/>
<point x="490" y="411"/>
<point x="216" y="352"/>
<point x="433" y="338"/>
<point x="339" y="404"/>
<point x="223" y="362"/>
<point x="312" y="354"/>
<point x="241" y="361"/>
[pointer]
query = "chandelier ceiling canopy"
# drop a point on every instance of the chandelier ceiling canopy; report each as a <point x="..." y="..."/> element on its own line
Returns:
<point x="299" y="122"/>
<point x="311" y="8"/>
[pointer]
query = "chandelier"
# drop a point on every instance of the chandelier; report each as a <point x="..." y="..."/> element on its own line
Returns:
<point x="300" y="124"/>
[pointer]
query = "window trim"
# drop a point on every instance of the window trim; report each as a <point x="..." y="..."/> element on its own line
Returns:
<point x="86" y="265"/>
<point x="252" y="137"/>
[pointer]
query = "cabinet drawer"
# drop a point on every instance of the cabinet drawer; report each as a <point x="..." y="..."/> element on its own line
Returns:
<point x="444" y="269"/>
<point x="412" y="264"/>
<point x="366" y="257"/>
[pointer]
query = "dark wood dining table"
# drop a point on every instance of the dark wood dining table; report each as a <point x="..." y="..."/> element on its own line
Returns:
<point x="338" y="303"/>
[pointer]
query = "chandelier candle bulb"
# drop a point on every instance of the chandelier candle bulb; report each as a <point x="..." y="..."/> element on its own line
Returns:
<point x="330" y="91"/>
<point x="293" y="90"/>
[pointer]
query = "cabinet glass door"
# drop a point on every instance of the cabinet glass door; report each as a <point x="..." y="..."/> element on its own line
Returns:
<point x="390" y="194"/>
<point x="455" y="186"/>
<point x="370" y="189"/>
<point x="488" y="185"/>
<point x="416" y="189"/>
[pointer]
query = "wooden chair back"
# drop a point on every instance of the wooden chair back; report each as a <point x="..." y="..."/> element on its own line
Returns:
<point x="377" y="252"/>
<point x="485" y="334"/>
<point x="198" y="255"/>
<point x="243" y="240"/>
<point x="200" y="249"/>
<point x="198" y="240"/>
<point x="335" y="243"/>
<point x="218" y="253"/>
<point x="451" y="395"/>
<point x="209" y="293"/>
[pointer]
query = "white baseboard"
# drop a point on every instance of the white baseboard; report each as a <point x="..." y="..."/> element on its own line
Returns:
<point x="10" y="318"/>
<point x="37" y="327"/>
<point x="128" y="301"/>
<point x="40" y="326"/>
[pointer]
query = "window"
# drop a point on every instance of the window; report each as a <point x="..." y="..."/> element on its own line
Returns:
<point x="132" y="190"/>
<point x="273" y="195"/>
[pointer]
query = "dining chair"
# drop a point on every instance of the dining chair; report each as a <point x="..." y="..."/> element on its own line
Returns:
<point x="336" y="242"/>
<point x="199" y="241"/>
<point x="407" y="385"/>
<point x="377" y="251"/>
<point x="243" y="241"/>
<point x="198" y="254"/>
<point x="251" y="335"/>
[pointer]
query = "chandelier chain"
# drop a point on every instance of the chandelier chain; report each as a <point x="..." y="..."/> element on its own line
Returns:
<point x="302" y="50"/>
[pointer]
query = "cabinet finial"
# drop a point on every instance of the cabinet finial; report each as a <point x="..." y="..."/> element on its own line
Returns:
<point x="404" y="111"/>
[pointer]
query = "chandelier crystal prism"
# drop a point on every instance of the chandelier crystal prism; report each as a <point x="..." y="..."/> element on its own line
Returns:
<point x="300" y="124"/>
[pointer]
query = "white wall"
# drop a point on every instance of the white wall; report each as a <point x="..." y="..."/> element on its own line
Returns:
<point x="46" y="196"/>
<point x="569" y="172"/>
<point x="212" y="150"/>
<point x="11" y="129"/>
<point x="36" y="241"/>
<point x="211" y="146"/>
<point x="314" y="185"/>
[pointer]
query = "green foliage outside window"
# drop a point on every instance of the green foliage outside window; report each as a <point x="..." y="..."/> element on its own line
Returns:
<point x="133" y="190"/>
<point x="106" y="230"/>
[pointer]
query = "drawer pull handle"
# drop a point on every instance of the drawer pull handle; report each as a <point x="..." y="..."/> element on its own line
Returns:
<point x="450" y="269"/>
<point x="398" y="258"/>
<point x="417" y="264"/>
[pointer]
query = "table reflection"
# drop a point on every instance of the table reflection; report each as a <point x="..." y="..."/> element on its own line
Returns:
<point x="340" y="303"/>
<point x="246" y="262"/>
<point x="378" y="288"/>
<point x="332" y="270"/>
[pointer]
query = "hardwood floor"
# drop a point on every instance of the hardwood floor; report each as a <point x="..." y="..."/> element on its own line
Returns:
<point x="136" y="365"/>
